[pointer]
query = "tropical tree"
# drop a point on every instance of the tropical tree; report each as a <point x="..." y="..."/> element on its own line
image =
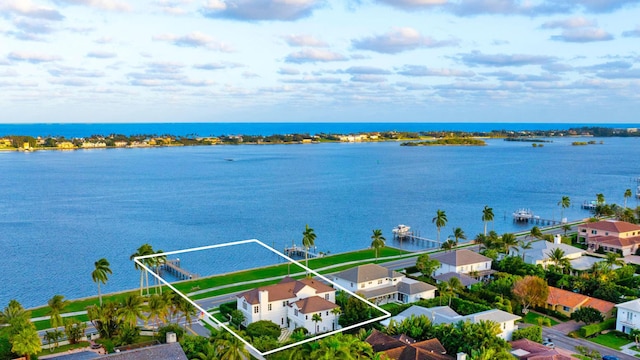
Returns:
<point x="131" y="309"/>
<point x="448" y="245"/>
<point x="459" y="234"/>
<point x="564" y="203"/>
<point x="187" y="309"/>
<point x="26" y="342"/>
<point x="440" y="220"/>
<point x="450" y="287"/>
<point x="74" y="329"/>
<point x="377" y="241"/>
<point x="524" y="246"/>
<point x="566" y="227"/>
<point x="613" y="259"/>
<point x="487" y="215"/>
<point x="230" y="347"/>
<point x="308" y="240"/>
<point x="600" y="199"/>
<point x="316" y="318"/>
<point x="558" y="257"/>
<point x="56" y="304"/>
<point x="99" y="274"/>
<point x="509" y="241"/>
<point x="52" y="338"/>
<point x="426" y="265"/>
<point x="535" y="233"/>
<point x="157" y="309"/>
<point x="336" y="311"/>
<point x="530" y="291"/>
<point x="15" y="316"/>
<point x="145" y="249"/>
<point x="627" y="194"/>
<point x="104" y="318"/>
<point x="209" y="352"/>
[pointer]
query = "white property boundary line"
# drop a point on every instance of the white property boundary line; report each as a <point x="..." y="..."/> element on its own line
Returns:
<point x="385" y="315"/>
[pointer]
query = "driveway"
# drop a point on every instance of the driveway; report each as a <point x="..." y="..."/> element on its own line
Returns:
<point x="561" y="340"/>
<point x="567" y="327"/>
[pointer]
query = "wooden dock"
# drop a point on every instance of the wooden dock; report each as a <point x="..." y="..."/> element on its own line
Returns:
<point x="173" y="268"/>
<point x="411" y="236"/>
<point x="538" y="220"/>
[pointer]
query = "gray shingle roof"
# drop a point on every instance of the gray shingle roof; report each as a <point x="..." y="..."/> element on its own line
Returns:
<point x="461" y="257"/>
<point x="411" y="286"/>
<point x="172" y="351"/>
<point x="368" y="272"/>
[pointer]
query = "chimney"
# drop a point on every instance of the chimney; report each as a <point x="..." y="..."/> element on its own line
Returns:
<point x="461" y="356"/>
<point x="557" y="239"/>
<point x="171" y="337"/>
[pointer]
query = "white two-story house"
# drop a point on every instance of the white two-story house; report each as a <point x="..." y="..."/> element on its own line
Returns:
<point x="291" y="304"/>
<point x="628" y="316"/>
<point x="466" y="265"/>
<point x="381" y="285"/>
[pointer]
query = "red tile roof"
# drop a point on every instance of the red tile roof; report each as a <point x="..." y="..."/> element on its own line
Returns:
<point x="613" y="226"/>
<point x="285" y="289"/>
<point x="573" y="300"/>
<point x="314" y="304"/>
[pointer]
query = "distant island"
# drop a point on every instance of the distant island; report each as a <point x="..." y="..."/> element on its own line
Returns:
<point x="422" y="138"/>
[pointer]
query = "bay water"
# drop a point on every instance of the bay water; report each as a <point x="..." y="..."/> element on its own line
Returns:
<point x="62" y="210"/>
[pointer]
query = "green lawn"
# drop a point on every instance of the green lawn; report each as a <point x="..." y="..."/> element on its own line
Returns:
<point x="611" y="340"/>
<point x="532" y="318"/>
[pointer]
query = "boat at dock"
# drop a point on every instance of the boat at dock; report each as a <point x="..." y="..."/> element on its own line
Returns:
<point x="401" y="231"/>
<point x="589" y="205"/>
<point x="522" y="215"/>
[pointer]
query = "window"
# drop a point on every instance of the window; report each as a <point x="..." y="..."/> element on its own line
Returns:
<point x="362" y="286"/>
<point x="295" y="312"/>
<point x="284" y="303"/>
<point x="269" y="307"/>
<point x="244" y="305"/>
<point x="379" y="281"/>
<point x="351" y="284"/>
<point x="370" y="282"/>
<point x="327" y="314"/>
<point x="593" y="232"/>
<point x="306" y="317"/>
<point x="326" y="296"/>
<point x="629" y="316"/>
<point x="566" y="308"/>
<point x="256" y="309"/>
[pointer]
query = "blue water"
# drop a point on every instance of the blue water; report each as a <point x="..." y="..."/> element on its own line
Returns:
<point x="217" y="129"/>
<point x="62" y="210"/>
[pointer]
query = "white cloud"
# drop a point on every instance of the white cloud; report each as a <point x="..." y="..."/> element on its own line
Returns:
<point x="571" y="23"/>
<point x="399" y="40"/>
<point x="419" y="71"/>
<point x="194" y="39"/>
<point x="109" y="5"/>
<point x="314" y="55"/>
<point x="413" y="4"/>
<point x="255" y="10"/>
<point x="98" y="54"/>
<point x="366" y="78"/>
<point x="304" y="40"/>
<point x="34" y="58"/>
<point x="288" y="71"/>
<point x="583" y="35"/>
<point x="28" y="9"/>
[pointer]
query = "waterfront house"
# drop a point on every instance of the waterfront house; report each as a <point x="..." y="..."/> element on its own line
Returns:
<point x="541" y="249"/>
<point x="610" y="236"/>
<point x="291" y="304"/>
<point x="468" y="266"/>
<point x="446" y="315"/>
<point x="628" y="316"/>
<point x="381" y="285"/>
<point x="402" y="347"/>
<point x="566" y="302"/>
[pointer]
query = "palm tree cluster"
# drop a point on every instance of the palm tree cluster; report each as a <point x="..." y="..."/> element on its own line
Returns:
<point x="154" y="263"/>
<point x="23" y="335"/>
<point x="121" y="320"/>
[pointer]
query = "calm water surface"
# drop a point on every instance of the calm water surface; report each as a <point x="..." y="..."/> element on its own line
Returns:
<point x="60" y="211"/>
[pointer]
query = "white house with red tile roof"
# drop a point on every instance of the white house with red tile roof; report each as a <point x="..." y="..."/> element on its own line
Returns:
<point x="290" y="303"/>
<point x="610" y="235"/>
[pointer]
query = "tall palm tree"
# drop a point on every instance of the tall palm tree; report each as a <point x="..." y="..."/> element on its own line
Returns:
<point x="99" y="275"/>
<point x="131" y="309"/>
<point x="308" y="240"/>
<point x="316" y="318"/>
<point x="208" y="352"/>
<point x="565" y="202"/>
<point x="600" y="199"/>
<point x="459" y="234"/>
<point x="336" y="311"/>
<point x="448" y="245"/>
<point x="26" y="342"/>
<point x="487" y="215"/>
<point x="509" y="241"/>
<point x="627" y="194"/>
<point x="613" y="259"/>
<point x="566" y="227"/>
<point x="559" y="259"/>
<point x="187" y="309"/>
<point x="377" y="241"/>
<point x="56" y="304"/>
<point x="145" y="249"/>
<point x="230" y="347"/>
<point x="14" y="314"/>
<point x="524" y="246"/>
<point x="158" y="309"/>
<point x="440" y="220"/>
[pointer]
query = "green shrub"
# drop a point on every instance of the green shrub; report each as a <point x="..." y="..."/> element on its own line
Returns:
<point x="533" y="333"/>
<point x="263" y="328"/>
<point x="590" y="330"/>
<point x="162" y="332"/>
<point x="227" y="308"/>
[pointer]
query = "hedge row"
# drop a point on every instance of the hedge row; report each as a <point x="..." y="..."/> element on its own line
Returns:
<point x="590" y="330"/>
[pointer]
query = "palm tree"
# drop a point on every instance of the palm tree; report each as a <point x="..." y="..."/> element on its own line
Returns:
<point x="209" y="352"/>
<point x="509" y="241"/>
<point x="448" y="245"/>
<point x="565" y="202"/>
<point x="524" y="246"/>
<point x="535" y="233"/>
<point x="459" y="234"/>
<point x="566" y="227"/>
<point x="440" y="220"/>
<point x="612" y="259"/>
<point x="336" y="311"/>
<point x="451" y="286"/>
<point x="56" y="304"/>
<point x="15" y="315"/>
<point x="187" y="309"/>
<point x="600" y="199"/>
<point x="132" y="309"/>
<point x="158" y="309"/>
<point x="378" y="241"/>
<point x="316" y="318"/>
<point x="230" y="347"/>
<point x="308" y="240"/>
<point x="557" y="257"/>
<point x="99" y="275"/>
<point x="487" y="215"/>
<point x="143" y="250"/>
<point x="26" y="342"/>
<point x="627" y="194"/>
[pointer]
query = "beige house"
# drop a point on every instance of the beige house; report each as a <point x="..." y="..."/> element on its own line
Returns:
<point x="566" y="302"/>
<point x="610" y="236"/>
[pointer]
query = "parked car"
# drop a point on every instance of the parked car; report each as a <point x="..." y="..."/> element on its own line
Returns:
<point x="610" y="357"/>
<point x="548" y="343"/>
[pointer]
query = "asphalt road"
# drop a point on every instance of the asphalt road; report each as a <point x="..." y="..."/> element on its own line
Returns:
<point x="563" y="341"/>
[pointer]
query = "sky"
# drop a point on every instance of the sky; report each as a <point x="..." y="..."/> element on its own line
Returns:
<point x="93" y="61"/>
